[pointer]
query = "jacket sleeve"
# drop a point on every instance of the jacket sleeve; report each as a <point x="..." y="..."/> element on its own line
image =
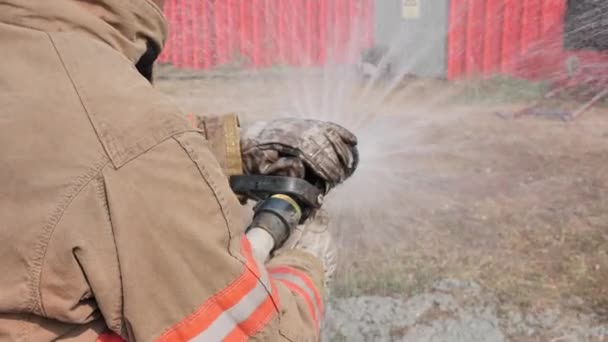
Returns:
<point x="223" y="134"/>
<point x="186" y="267"/>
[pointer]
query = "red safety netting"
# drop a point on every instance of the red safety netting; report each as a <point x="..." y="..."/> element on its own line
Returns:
<point x="260" y="33"/>
<point x="523" y="38"/>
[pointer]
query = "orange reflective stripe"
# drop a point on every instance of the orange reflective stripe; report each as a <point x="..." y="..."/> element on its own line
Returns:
<point x="255" y="323"/>
<point x="302" y="293"/>
<point x="210" y="310"/>
<point x="265" y="313"/>
<point x="261" y="272"/>
<point x="299" y="283"/>
<point x="285" y="272"/>
<point x="236" y="312"/>
<point x="251" y="261"/>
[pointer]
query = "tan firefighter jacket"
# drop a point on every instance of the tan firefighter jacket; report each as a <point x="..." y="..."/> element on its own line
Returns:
<point x="115" y="217"/>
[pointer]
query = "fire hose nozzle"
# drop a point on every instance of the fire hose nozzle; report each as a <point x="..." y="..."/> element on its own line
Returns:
<point x="278" y="215"/>
<point x="283" y="203"/>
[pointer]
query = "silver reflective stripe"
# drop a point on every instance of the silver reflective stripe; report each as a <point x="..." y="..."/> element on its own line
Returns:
<point x="228" y="320"/>
<point x="301" y="284"/>
<point x="240" y="312"/>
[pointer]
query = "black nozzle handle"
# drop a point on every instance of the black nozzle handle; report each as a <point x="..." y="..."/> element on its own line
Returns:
<point x="259" y="188"/>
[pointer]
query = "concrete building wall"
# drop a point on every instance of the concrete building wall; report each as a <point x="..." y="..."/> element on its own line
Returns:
<point x="415" y="31"/>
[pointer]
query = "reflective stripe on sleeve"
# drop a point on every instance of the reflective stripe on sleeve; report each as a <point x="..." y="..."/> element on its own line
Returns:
<point x="296" y="285"/>
<point x="301" y="276"/>
<point x="298" y="282"/>
<point x="235" y="313"/>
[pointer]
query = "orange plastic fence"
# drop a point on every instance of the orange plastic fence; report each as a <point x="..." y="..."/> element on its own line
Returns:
<point x="260" y="33"/>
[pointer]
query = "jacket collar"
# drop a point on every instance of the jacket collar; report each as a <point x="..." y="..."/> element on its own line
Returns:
<point x="132" y="27"/>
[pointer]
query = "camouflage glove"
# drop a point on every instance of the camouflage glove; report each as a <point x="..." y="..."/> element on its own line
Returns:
<point x="313" y="237"/>
<point x="323" y="153"/>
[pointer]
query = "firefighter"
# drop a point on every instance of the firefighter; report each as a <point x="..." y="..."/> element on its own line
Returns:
<point x="116" y="218"/>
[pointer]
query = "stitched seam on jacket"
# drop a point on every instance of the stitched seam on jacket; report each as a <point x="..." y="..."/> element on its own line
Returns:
<point x="118" y="154"/>
<point x="192" y="154"/>
<point x="48" y="229"/>
<point x="282" y="333"/>
<point x="35" y="273"/>
<point x="75" y="87"/>
<point x="116" y="325"/>
<point x="206" y="177"/>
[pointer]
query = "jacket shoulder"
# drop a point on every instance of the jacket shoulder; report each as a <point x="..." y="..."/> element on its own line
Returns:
<point x="128" y="114"/>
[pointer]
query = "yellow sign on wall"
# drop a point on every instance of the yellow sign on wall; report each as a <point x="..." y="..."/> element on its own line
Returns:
<point x="410" y="9"/>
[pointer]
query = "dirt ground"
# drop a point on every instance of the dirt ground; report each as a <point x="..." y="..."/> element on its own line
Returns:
<point x="517" y="207"/>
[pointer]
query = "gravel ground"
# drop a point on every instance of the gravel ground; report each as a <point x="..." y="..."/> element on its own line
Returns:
<point x="454" y="311"/>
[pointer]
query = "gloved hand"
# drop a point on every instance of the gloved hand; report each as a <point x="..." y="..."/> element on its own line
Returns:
<point x="323" y="153"/>
<point x="314" y="237"/>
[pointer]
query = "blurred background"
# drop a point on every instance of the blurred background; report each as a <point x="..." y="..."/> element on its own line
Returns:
<point x="479" y="209"/>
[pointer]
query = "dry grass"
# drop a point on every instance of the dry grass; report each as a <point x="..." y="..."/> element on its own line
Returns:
<point x="500" y="89"/>
<point x="526" y="217"/>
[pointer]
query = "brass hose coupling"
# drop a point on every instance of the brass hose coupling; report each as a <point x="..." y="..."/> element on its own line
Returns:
<point x="278" y="215"/>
